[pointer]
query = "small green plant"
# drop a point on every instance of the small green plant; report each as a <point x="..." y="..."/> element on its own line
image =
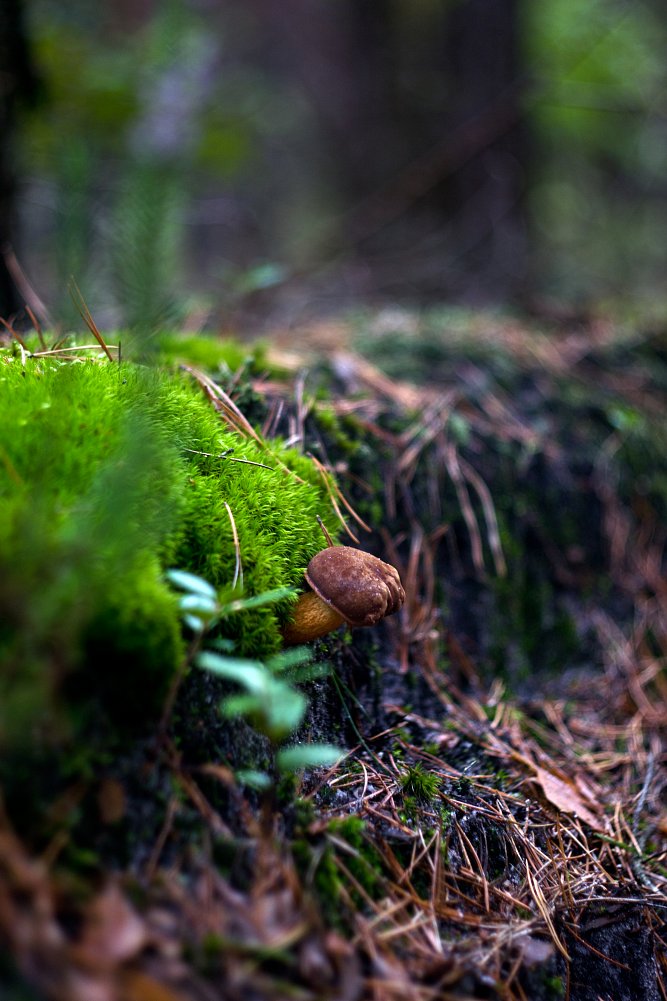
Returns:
<point x="418" y="784"/>
<point x="201" y="608"/>
<point x="270" y="701"/>
<point x="274" y="707"/>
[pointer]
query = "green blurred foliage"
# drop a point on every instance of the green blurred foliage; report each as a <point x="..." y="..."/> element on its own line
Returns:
<point x="130" y="130"/>
<point x="597" y="115"/>
<point x="143" y="119"/>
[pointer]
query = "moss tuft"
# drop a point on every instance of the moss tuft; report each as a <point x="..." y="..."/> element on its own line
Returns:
<point x="420" y="784"/>
<point x="111" y="475"/>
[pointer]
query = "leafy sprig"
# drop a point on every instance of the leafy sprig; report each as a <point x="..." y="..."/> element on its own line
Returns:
<point x="269" y="699"/>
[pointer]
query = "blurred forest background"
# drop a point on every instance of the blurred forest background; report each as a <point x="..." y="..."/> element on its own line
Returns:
<point x="192" y="159"/>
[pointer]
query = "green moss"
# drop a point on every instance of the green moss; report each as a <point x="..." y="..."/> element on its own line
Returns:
<point x="342" y="436"/>
<point x="317" y="863"/>
<point x="419" y="784"/>
<point x="135" y="634"/>
<point x="105" y="485"/>
<point x="209" y="352"/>
<point x="555" y="987"/>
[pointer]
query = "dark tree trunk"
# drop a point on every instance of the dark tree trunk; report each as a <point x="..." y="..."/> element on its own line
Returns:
<point x="484" y="196"/>
<point x="418" y="124"/>
<point x="335" y="54"/>
<point x="18" y="87"/>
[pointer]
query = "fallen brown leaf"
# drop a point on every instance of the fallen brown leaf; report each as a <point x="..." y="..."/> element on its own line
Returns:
<point x="112" y="932"/>
<point x="563" y="794"/>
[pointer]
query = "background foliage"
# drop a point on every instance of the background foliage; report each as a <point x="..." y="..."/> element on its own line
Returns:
<point x="189" y="154"/>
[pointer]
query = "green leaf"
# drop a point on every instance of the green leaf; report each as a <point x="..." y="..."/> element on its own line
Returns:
<point x="251" y="674"/>
<point x="261" y="276"/>
<point x="284" y="712"/>
<point x="194" y="623"/>
<point x="240" y="705"/>
<point x="292" y="759"/>
<point x="185" y="581"/>
<point x="199" y="603"/>
<point x="254" y="779"/>
<point x="257" y="600"/>
<point x="289" y="658"/>
<point x="311" y="672"/>
<point x="223" y="644"/>
<point x="459" y="428"/>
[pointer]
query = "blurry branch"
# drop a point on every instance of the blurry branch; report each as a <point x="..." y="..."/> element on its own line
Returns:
<point x="34" y="303"/>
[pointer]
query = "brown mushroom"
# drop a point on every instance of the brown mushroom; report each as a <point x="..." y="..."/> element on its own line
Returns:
<point x="347" y="585"/>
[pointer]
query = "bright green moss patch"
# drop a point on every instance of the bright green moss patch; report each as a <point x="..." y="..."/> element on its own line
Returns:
<point x="208" y="352"/>
<point x="109" y="475"/>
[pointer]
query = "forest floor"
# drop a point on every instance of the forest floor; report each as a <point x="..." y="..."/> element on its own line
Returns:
<point x="497" y="828"/>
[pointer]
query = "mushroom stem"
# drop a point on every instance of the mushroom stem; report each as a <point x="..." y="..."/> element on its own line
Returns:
<point x="311" y="619"/>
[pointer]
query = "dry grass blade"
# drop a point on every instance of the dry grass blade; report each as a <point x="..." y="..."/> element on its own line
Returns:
<point x="430" y="424"/>
<point x="543" y="908"/>
<point x="229" y="410"/>
<point x="326" y="479"/>
<point x="226" y="405"/>
<point x="86" y="316"/>
<point x="334" y="489"/>
<point x="468" y="846"/>
<point x="73" y="353"/>
<point x="37" y="325"/>
<point x="352" y="368"/>
<point x="416" y="629"/>
<point x="459" y="480"/>
<point x="230" y="458"/>
<point x="34" y="303"/>
<point x="484" y="494"/>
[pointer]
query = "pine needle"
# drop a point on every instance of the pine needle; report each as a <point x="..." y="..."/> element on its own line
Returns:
<point x="86" y="316"/>
<point x="238" y="567"/>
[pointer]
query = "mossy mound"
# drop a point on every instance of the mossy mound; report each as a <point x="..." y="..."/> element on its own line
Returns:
<point x="111" y="475"/>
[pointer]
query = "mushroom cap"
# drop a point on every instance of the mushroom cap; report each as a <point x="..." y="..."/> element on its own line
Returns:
<point x="359" y="586"/>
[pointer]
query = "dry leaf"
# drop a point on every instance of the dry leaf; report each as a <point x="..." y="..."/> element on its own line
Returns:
<point x="563" y="794"/>
<point x="112" y="933"/>
<point x="535" y="951"/>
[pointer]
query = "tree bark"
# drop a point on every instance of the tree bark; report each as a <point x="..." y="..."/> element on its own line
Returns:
<point x="484" y="197"/>
<point x="19" y="88"/>
<point x="418" y="124"/>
